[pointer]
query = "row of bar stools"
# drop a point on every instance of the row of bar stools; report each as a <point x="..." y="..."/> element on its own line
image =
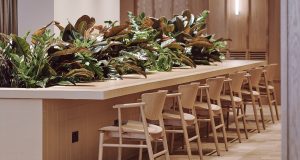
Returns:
<point x="157" y="121"/>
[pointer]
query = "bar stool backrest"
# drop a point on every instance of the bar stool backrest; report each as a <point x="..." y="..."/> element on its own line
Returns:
<point x="270" y="72"/>
<point x="215" y="87"/>
<point x="188" y="94"/>
<point x="154" y="103"/>
<point x="237" y="81"/>
<point x="255" y="76"/>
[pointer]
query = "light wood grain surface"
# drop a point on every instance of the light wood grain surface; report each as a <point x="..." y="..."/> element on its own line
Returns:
<point x="131" y="83"/>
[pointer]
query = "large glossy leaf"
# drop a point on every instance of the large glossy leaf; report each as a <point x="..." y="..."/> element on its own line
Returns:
<point x="82" y="72"/>
<point x="84" y="23"/>
<point x="200" y="44"/>
<point x="66" y="52"/>
<point x="68" y="34"/>
<point x="21" y="45"/>
<point x="115" y="30"/>
<point x="4" y="38"/>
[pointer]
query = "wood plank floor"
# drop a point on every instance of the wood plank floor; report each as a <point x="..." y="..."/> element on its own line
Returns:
<point x="260" y="146"/>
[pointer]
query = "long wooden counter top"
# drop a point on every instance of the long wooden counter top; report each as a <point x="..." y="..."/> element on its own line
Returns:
<point x="130" y="84"/>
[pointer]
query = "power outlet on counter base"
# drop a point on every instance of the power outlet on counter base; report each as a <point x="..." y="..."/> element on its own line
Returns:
<point x="75" y="136"/>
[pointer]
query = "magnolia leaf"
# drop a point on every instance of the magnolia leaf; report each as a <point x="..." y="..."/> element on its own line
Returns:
<point x="68" y="52"/>
<point x="115" y="30"/>
<point x="168" y="28"/>
<point x="4" y="37"/>
<point x="156" y="23"/>
<point x="187" y="61"/>
<point x="147" y="22"/>
<point x="200" y="44"/>
<point x="179" y="24"/>
<point x="68" y="34"/>
<point x="176" y="45"/>
<point x="84" y="22"/>
<point x="82" y="72"/>
<point x="136" y="69"/>
<point x="41" y="31"/>
<point x="57" y="24"/>
<point x="21" y="45"/>
<point x="199" y="38"/>
<point x="167" y="42"/>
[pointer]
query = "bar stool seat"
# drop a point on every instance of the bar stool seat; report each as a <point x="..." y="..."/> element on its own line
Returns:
<point x="228" y="98"/>
<point x="246" y="92"/>
<point x="201" y="105"/>
<point x="170" y="115"/>
<point x="134" y="127"/>
<point x="269" y="87"/>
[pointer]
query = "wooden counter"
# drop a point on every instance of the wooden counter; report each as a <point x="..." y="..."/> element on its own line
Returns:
<point x="38" y="124"/>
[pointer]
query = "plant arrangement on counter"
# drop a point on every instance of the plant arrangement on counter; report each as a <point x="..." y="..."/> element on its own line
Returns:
<point x="87" y="52"/>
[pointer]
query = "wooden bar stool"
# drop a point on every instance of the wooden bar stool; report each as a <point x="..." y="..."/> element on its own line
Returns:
<point x="233" y="99"/>
<point x="268" y="88"/>
<point x="212" y="108"/>
<point x="251" y="94"/>
<point x="150" y="109"/>
<point x="184" y="116"/>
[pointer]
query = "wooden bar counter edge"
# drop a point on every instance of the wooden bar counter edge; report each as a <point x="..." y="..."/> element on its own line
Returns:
<point x="38" y="124"/>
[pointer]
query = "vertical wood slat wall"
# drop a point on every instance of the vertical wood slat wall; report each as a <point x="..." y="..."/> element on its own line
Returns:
<point x="249" y="30"/>
<point x="254" y="32"/>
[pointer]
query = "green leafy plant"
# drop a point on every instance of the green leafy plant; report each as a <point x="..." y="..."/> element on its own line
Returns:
<point x="86" y="52"/>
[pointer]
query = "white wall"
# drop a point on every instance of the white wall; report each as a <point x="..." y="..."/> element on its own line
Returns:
<point x="34" y="14"/>
<point x="21" y="129"/>
<point x="101" y="10"/>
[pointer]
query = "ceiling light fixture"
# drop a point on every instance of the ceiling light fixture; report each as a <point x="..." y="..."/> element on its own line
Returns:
<point x="237" y="7"/>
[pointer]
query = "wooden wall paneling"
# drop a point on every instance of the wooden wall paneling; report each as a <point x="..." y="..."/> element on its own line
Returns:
<point x="217" y="23"/>
<point x="238" y="26"/>
<point x="197" y="6"/>
<point x="125" y="6"/>
<point x="257" y="55"/>
<point x="237" y="56"/>
<point x="258" y="26"/>
<point x="274" y="39"/>
<point x="145" y="6"/>
<point x="179" y="6"/>
<point x="163" y="8"/>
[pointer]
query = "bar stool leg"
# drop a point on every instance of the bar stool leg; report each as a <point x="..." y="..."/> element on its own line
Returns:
<point x="198" y="138"/>
<point x="255" y="113"/>
<point x="261" y="112"/>
<point x="270" y="104"/>
<point x="187" y="142"/>
<point x="119" y="153"/>
<point x="244" y="121"/>
<point x="213" y="127"/>
<point x="236" y="120"/>
<point x="141" y="151"/>
<point x="149" y="147"/>
<point x="275" y="103"/>
<point x="101" y="139"/>
<point x="224" y="130"/>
